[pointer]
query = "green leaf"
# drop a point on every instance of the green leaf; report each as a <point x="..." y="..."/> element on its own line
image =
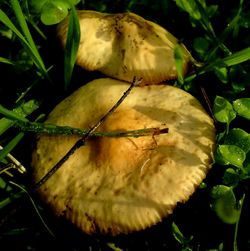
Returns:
<point x="113" y="247"/>
<point x="223" y="110"/>
<point x="211" y="10"/>
<point x="36" y="6"/>
<point x="222" y="74"/>
<point x="242" y="107"/>
<point x="190" y="7"/>
<point x="74" y="2"/>
<point x="23" y="61"/>
<point x="231" y="177"/>
<point x="71" y="48"/>
<point x="178" y="235"/>
<point x="54" y="12"/>
<point x="232" y="154"/>
<point x="201" y="45"/>
<point x="238" y="137"/>
<point x="247" y="163"/>
<point x="224" y="204"/>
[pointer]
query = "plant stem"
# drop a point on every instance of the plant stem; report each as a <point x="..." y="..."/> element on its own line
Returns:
<point x="52" y="129"/>
<point x="235" y="248"/>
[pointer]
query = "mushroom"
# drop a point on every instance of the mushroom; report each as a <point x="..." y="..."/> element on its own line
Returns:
<point x="121" y="185"/>
<point x="126" y="45"/>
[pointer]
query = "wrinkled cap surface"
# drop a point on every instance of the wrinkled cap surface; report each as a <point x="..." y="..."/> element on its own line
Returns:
<point x="120" y="185"/>
<point x="125" y="45"/>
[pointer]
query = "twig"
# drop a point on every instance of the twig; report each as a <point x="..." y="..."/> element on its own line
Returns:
<point x="208" y="102"/>
<point x="82" y="140"/>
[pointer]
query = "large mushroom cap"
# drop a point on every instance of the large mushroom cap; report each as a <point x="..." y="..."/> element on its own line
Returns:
<point x="119" y="185"/>
<point x="125" y="45"/>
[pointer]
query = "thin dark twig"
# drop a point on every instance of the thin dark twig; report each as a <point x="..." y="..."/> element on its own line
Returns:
<point x="208" y="102"/>
<point x="82" y="140"/>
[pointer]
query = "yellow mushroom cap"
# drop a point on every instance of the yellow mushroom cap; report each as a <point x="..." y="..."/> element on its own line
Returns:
<point x="120" y="185"/>
<point x="126" y="45"/>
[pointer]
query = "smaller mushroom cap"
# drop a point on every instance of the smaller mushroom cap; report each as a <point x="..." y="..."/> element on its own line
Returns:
<point x="120" y="185"/>
<point x="125" y="45"/>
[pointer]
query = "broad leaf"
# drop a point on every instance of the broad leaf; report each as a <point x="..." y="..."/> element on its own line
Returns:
<point x="242" y="107"/>
<point x="232" y="154"/>
<point x="231" y="177"/>
<point x="224" y="204"/>
<point x="54" y="12"/>
<point x="222" y="74"/>
<point x="201" y="45"/>
<point x="223" y="110"/>
<point x="238" y="137"/>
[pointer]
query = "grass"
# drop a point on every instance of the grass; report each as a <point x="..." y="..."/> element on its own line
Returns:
<point x="32" y="65"/>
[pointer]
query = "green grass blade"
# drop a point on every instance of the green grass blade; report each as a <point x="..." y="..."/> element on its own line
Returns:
<point x="32" y="50"/>
<point x="234" y="59"/>
<point x="234" y="25"/>
<point x="5" y="61"/>
<point x="5" y="124"/>
<point x="10" y="199"/>
<point x="22" y="22"/>
<point x="11" y="115"/>
<point x="22" y="111"/>
<point x="11" y="145"/>
<point x="179" y="61"/>
<point x="71" y="48"/>
<point x="23" y="190"/>
<point x="237" y="57"/>
<point x="6" y="21"/>
<point x="197" y="11"/>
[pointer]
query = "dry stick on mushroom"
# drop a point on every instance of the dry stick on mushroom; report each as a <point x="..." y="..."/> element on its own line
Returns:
<point x="83" y="139"/>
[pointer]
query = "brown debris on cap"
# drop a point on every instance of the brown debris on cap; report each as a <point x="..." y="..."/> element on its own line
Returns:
<point x="120" y="185"/>
<point x="125" y="45"/>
